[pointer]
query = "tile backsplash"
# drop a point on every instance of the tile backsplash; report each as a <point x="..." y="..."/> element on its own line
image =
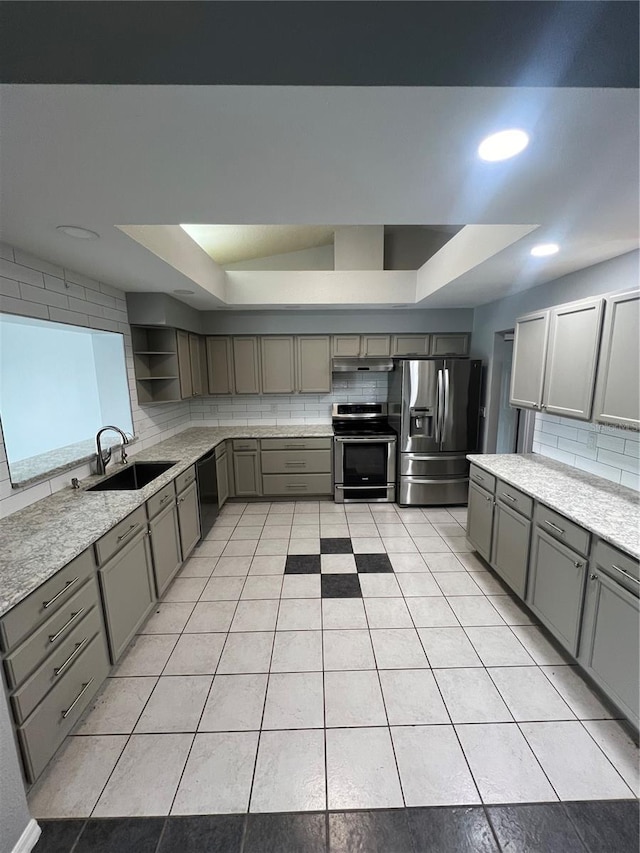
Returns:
<point x="607" y="451"/>
<point x="32" y="287"/>
<point x="274" y="409"/>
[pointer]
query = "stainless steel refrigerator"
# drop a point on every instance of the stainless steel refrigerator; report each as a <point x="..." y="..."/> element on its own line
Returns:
<point x="434" y="408"/>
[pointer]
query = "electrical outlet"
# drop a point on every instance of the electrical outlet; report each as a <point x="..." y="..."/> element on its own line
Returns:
<point x="591" y="441"/>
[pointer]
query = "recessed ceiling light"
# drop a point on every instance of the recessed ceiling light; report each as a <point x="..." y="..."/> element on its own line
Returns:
<point x="182" y="292"/>
<point x="77" y="232"/>
<point x="503" y="145"/>
<point x="543" y="250"/>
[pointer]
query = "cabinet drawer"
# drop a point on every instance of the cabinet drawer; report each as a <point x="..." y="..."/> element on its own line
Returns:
<point x="245" y="443"/>
<point x="51" y="635"/>
<point x="185" y="479"/>
<point x="49" y="673"/>
<point x="620" y="566"/>
<point x="513" y="498"/>
<point x="293" y="461"/>
<point x="119" y="535"/>
<point x="291" y="484"/>
<point x="46" y="600"/>
<point x="482" y="478"/>
<point x="561" y="528"/>
<point x="161" y="500"/>
<point x="62" y="707"/>
<point x="296" y="443"/>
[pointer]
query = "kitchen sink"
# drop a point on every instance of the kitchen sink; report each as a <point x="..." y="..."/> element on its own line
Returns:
<point x="134" y="476"/>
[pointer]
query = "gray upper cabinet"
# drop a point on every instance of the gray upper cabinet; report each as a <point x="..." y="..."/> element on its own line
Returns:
<point x="556" y="587"/>
<point x="246" y="365"/>
<point x="480" y="520"/>
<point x="609" y="638"/>
<point x="410" y="344"/>
<point x="197" y="359"/>
<point x="529" y="354"/>
<point x="220" y="365"/>
<point x="184" y="364"/>
<point x="572" y="355"/>
<point x="617" y="398"/>
<point x="278" y="364"/>
<point x="188" y="519"/>
<point x="345" y="345"/>
<point x="449" y="345"/>
<point x="313" y="364"/>
<point x="375" y="345"/>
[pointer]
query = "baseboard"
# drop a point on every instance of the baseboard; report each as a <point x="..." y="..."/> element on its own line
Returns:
<point x="28" y="839"/>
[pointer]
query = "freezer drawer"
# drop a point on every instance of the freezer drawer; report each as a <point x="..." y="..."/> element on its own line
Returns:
<point x="425" y="491"/>
<point x="435" y="465"/>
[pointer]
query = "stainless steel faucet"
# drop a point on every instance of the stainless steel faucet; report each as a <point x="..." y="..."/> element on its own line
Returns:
<point x="104" y="456"/>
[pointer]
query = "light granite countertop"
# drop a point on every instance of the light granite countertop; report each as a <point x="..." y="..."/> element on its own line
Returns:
<point x="610" y="511"/>
<point x="39" y="540"/>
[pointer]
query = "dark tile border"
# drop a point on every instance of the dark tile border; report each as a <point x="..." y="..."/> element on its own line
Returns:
<point x="593" y="826"/>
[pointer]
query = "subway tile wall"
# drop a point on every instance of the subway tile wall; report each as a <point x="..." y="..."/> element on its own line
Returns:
<point x="33" y="287"/>
<point x="288" y="410"/>
<point x="607" y="451"/>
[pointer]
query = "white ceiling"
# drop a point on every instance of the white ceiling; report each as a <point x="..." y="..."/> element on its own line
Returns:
<point x="103" y="156"/>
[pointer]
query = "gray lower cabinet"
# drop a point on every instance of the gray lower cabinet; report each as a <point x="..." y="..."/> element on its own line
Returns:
<point x="246" y="473"/>
<point x="128" y="594"/>
<point x="610" y="629"/>
<point x="43" y="732"/>
<point x="511" y="533"/>
<point x="480" y="520"/>
<point x="222" y="474"/>
<point x="556" y="587"/>
<point x="188" y="519"/>
<point x="165" y="546"/>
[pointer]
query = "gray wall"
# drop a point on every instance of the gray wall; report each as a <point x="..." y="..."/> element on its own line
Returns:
<point x="14" y="814"/>
<point x="621" y="273"/>
<point x="161" y="309"/>
<point x="336" y="322"/>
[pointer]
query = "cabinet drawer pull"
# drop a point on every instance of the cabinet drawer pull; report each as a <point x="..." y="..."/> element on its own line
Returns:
<point x="554" y="526"/>
<point x="295" y="464"/>
<point x="74" y="616"/>
<point x="625" y="573"/>
<point x="295" y="446"/>
<point x="59" y="669"/>
<point x="510" y="498"/>
<point x="300" y="487"/>
<point x="128" y="532"/>
<point x="478" y="477"/>
<point x="64" y="589"/>
<point x="165" y="498"/>
<point x="85" y="687"/>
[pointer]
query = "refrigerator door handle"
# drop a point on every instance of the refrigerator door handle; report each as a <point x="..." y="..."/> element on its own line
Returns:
<point x="445" y="415"/>
<point x="439" y="408"/>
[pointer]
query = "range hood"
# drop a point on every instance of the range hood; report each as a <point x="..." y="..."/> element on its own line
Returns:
<point x="361" y="365"/>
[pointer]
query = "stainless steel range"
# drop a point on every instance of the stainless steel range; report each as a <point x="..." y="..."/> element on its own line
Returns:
<point x="364" y="453"/>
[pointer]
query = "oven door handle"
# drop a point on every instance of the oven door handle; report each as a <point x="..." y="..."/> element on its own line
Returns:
<point x="385" y="439"/>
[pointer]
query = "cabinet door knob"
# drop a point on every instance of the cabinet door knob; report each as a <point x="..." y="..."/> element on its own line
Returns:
<point x="578" y="564"/>
<point x="594" y="577"/>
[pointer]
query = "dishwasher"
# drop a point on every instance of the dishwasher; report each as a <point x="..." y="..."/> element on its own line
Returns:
<point x="207" y="491"/>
